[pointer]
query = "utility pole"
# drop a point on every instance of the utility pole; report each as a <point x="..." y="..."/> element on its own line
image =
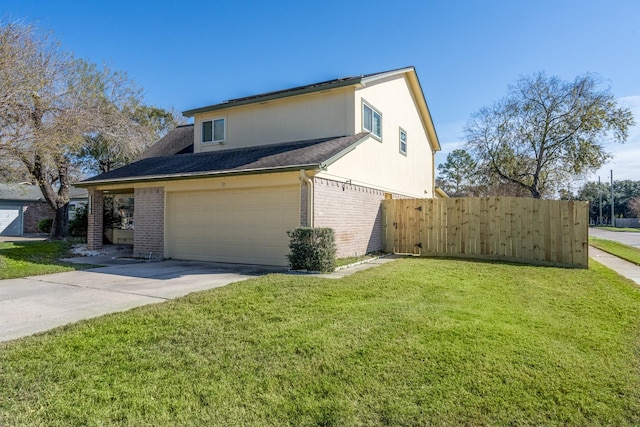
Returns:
<point x="613" y="220"/>
<point x="600" y="205"/>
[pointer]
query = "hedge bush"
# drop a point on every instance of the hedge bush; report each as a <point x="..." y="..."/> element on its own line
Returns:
<point x="312" y="249"/>
<point x="79" y="224"/>
<point x="44" y="226"/>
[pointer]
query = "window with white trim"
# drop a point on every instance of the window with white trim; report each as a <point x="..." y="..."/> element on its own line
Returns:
<point x="371" y="120"/>
<point x="213" y="130"/>
<point x="403" y="141"/>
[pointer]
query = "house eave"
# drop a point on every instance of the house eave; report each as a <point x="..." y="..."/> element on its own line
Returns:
<point x="424" y="111"/>
<point x="198" y="175"/>
<point x="421" y="101"/>
<point x="273" y="96"/>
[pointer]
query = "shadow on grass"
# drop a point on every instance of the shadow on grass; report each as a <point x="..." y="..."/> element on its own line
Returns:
<point x="498" y="261"/>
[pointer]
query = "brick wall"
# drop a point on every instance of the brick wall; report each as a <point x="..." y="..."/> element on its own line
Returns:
<point x="34" y="212"/>
<point x="148" y="220"/>
<point x="353" y="212"/>
<point x="95" y="227"/>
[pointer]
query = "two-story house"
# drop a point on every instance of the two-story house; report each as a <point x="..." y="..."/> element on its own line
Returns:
<point x="228" y="187"/>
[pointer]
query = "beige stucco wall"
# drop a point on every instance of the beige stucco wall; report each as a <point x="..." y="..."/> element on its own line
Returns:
<point x="213" y="183"/>
<point x="309" y="116"/>
<point x="379" y="163"/>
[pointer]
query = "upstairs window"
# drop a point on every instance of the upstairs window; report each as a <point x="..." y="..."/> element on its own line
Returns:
<point x="371" y="120"/>
<point x="213" y="130"/>
<point x="403" y="141"/>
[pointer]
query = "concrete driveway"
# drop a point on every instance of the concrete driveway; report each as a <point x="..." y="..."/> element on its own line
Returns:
<point x="629" y="238"/>
<point x="38" y="303"/>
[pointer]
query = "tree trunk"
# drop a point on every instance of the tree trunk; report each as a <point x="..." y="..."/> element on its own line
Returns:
<point x="58" y="201"/>
<point x="60" y="225"/>
<point x="535" y="193"/>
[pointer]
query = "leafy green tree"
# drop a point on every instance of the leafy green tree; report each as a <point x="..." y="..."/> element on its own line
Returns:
<point x="457" y="175"/>
<point x="634" y="206"/>
<point x="547" y="131"/>
<point x="593" y="192"/>
<point x="624" y="192"/>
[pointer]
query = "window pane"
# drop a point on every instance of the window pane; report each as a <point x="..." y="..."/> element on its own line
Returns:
<point x="403" y="142"/>
<point x="366" y="118"/>
<point x="207" y="132"/>
<point x="377" y="124"/>
<point x="218" y="130"/>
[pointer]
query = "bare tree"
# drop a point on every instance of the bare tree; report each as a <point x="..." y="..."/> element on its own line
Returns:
<point x="103" y="152"/>
<point x="50" y="102"/>
<point x="547" y="131"/>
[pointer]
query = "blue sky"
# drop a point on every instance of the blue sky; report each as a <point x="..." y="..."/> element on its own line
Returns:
<point x="190" y="54"/>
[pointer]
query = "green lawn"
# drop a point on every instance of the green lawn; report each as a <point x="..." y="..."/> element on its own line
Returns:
<point x="21" y="259"/>
<point x="620" y="250"/>
<point x="413" y="342"/>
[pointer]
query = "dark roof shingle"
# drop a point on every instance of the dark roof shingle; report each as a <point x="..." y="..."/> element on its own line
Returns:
<point x="28" y="193"/>
<point x="290" y="155"/>
<point x="177" y="141"/>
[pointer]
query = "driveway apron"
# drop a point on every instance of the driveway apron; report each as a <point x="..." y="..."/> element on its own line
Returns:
<point x="38" y="303"/>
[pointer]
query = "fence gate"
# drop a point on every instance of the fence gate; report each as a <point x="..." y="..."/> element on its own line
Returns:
<point x="553" y="232"/>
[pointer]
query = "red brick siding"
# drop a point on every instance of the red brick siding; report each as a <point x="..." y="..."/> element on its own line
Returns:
<point x="95" y="228"/>
<point x="353" y="212"/>
<point x="148" y="220"/>
<point x="34" y="212"/>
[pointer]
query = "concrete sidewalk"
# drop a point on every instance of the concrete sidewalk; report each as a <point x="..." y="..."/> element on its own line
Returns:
<point x="620" y="266"/>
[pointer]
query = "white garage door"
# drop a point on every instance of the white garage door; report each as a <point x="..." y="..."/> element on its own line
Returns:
<point x="10" y="221"/>
<point x="239" y="226"/>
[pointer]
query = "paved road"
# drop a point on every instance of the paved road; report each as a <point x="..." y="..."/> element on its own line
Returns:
<point x="38" y="303"/>
<point x="626" y="237"/>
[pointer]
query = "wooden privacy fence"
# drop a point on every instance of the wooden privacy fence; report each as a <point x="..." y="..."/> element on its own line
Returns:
<point x="553" y="232"/>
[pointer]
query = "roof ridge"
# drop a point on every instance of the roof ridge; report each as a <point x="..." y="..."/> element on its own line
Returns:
<point x="280" y="93"/>
<point x="266" y="146"/>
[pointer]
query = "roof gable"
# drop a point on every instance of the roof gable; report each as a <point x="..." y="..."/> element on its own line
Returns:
<point x="359" y="81"/>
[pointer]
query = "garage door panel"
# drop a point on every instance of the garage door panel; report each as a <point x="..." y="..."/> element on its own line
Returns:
<point x="242" y="226"/>
<point x="10" y="221"/>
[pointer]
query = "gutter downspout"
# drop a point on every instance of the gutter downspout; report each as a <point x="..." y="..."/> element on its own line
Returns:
<point x="309" y="183"/>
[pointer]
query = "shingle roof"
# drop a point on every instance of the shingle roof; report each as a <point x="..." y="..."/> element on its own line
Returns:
<point x="178" y="141"/>
<point x="20" y="192"/>
<point x="30" y="193"/>
<point x="307" y="154"/>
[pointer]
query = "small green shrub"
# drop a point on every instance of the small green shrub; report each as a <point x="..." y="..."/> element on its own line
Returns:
<point x="312" y="249"/>
<point x="79" y="224"/>
<point x="44" y="226"/>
